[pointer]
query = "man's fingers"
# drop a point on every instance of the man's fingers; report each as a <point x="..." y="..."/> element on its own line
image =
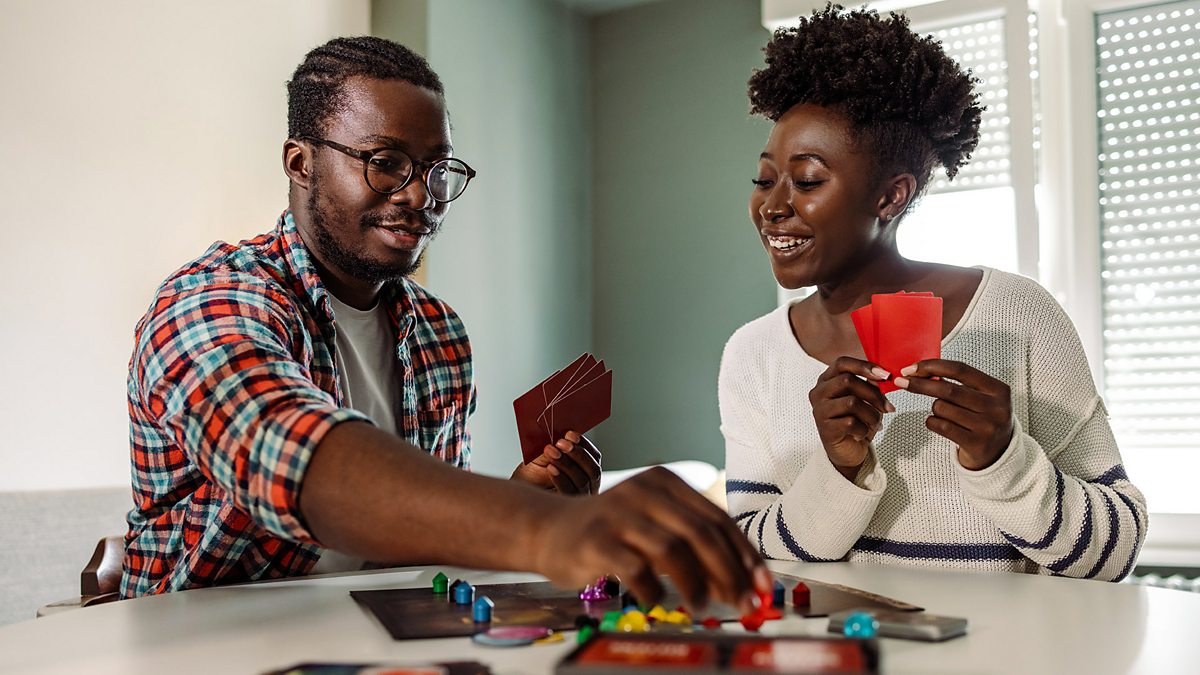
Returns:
<point x="574" y="473"/>
<point x="674" y="555"/>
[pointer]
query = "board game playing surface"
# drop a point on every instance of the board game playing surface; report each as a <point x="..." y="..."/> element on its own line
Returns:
<point x="418" y="613"/>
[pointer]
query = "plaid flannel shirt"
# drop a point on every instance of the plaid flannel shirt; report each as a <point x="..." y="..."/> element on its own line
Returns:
<point x="232" y="385"/>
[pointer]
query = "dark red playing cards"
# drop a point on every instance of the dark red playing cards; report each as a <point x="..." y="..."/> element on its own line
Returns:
<point x="575" y="398"/>
<point x="898" y="329"/>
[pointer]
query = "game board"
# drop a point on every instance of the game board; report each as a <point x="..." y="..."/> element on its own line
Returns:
<point x="418" y="613"/>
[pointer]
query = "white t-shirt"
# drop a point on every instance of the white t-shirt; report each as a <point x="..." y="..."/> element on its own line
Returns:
<point x="370" y="383"/>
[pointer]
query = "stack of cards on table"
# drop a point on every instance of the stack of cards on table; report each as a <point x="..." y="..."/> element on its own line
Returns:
<point x="898" y="329"/>
<point x="575" y="398"/>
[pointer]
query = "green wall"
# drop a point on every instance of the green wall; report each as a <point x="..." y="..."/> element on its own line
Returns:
<point x="677" y="267"/>
<point x="513" y="258"/>
<point x="614" y="154"/>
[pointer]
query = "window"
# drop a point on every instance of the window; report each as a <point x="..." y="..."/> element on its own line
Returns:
<point x="1090" y="183"/>
<point x="1148" y="94"/>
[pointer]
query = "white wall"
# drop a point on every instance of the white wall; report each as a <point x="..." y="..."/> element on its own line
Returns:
<point x="132" y="135"/>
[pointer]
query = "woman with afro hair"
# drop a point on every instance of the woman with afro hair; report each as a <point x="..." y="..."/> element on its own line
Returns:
<point x="997" y="456"/>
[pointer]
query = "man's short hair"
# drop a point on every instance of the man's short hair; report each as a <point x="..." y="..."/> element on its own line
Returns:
<point x="315" y="91"/>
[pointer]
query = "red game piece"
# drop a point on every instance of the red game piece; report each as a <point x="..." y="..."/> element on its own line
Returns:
<point x="801" y="596"/>
<point x="711" y="622"/>
<point x="766" y="610"/>
<point x="752" y="621"/>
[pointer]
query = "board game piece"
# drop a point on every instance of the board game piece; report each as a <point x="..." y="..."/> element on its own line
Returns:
<point x="778" y="595"/>
<point x="628" y="598"/>
<point x="766" y="608"/>
<point x="752" y="621"/>
<point x="801" y="596"/>
<point x="464" y="593"/>
<point x="826" y="598"/>
<point x="595" y="592"/>
<point x="481" y="611"/>
<point x="511" y="636"/>
<point x="439" y="583"/>
<point x="612" y="587"/>
<point x="657" y="613"/>
<point x="585" y="633"/>
<point x="860" y="625"/>
<point x="711" y="622"/>
<point x="633" y="622"/>
<point x="679" y="618"/>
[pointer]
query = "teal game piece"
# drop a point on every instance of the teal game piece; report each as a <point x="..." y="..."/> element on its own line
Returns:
<point x="464" y="594"/>
<point x="778" y="595"/>
<point x="481" y="611"/>
<point x="860" y="625"/>
<point x="440" y="583"/>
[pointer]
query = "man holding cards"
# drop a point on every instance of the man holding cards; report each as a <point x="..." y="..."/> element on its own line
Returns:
<point x="299" y="405"/>
<point x="993" y="449"/>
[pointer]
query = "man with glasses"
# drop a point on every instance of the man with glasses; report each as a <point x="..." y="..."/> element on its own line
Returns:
<point x="299" y="405"/>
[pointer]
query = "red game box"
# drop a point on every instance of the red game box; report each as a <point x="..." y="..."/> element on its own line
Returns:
<point x="719" y="654"/>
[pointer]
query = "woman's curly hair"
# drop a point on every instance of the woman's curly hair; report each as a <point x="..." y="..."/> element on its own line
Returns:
<point x="912" y="105"/>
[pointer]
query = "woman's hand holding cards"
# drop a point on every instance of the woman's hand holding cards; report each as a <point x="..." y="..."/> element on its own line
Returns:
<point x="974" y="410"/>
<point x="849" y="408"/>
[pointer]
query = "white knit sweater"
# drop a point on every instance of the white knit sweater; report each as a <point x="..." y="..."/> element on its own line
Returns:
<point x="1056" y="502"/>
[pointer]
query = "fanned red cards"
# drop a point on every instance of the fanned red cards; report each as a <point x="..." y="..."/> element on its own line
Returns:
<point x="575" y="398"/>
<point x="898" y="329"/>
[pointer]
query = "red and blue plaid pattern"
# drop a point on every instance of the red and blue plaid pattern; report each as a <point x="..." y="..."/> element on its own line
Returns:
<point x="232" y="385"/>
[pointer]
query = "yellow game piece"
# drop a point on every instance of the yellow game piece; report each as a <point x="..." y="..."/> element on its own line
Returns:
<point x="550" y="639"/>
<point x="679" y="617"/>
<point x="658" y="613"/>
<point x="633" y="622"/>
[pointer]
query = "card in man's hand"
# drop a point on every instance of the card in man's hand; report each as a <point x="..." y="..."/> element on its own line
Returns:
<point x="575" y="398"/>
<point x="898" y="329"/>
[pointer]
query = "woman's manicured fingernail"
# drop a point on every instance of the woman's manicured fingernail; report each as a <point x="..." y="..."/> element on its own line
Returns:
<point x="564" y="445"/>
<point x="901" y="382"/>
<point x="908" y="370"/>
<point x="880" y="373"/>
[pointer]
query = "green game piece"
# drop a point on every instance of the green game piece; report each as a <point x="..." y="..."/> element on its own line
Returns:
<point x="584" y="634"/>
<point x="439" y="583"/>
<point x="609" y="622"/>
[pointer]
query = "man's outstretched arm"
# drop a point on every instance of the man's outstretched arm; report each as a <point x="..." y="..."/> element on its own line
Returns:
<point x="368" y="493"/>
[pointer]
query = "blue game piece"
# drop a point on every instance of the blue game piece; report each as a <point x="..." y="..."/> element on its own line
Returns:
<point x="482" y="609"/>
<point x="464" y="594"/>
<point x="779" y="594"/>
<point x="860" y="625"/>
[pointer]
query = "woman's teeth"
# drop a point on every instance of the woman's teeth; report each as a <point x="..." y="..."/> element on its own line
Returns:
<point x="786" y="243"/>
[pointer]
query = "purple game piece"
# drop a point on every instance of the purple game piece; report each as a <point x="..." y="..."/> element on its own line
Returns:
<point x="595" y="592"/>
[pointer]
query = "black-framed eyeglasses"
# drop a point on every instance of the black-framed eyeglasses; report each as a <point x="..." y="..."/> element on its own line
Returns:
<point x="390" y="170"/>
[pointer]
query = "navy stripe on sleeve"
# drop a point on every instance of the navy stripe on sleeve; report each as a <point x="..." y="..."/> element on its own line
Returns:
<point x="1137" y="525"/>
<point x="1081" y="542"/>
<point x="753" y="487"/>
<point x="937" y="551"/>
<point x="1113" y="523"/>
<point x="1054" y="526"/>
<point x="790" y="542"/>
<point x="1112" y="475"/>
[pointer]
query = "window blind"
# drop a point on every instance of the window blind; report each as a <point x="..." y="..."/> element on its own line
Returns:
<point x="1148" y="86"/>
<point x="979" y="46"/>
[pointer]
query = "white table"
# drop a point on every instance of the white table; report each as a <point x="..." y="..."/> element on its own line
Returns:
<point x="1018" y="624"/>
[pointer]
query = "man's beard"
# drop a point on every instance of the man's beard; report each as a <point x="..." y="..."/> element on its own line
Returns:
<point x="352" y="262"/>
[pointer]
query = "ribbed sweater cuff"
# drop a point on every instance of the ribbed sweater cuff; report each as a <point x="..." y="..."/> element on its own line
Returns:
<point x="1011" y="476"/>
